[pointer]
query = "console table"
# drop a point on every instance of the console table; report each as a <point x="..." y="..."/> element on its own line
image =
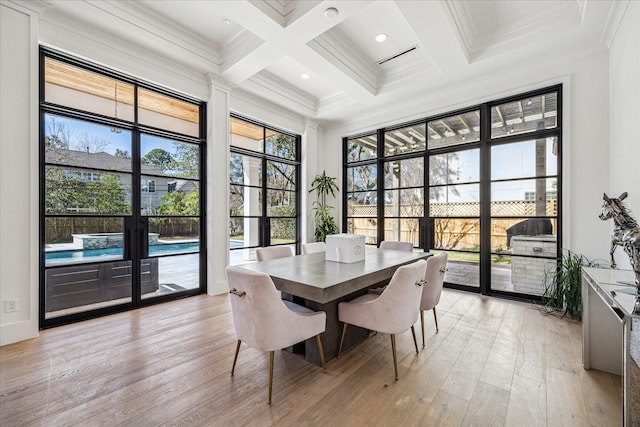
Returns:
<point x="611" y="332"/>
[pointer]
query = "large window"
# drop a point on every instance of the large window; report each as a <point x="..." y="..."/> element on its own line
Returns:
<point x="482" y="184"/>
<point x="121" y="186"/>
<point x="264" y="172"/>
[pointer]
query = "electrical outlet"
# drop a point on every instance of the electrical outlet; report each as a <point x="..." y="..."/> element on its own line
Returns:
<point x="11" y="305"/>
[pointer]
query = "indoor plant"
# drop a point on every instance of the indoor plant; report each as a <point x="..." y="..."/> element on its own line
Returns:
<point x="323" y="185"/>
<point x="563" y="292"/>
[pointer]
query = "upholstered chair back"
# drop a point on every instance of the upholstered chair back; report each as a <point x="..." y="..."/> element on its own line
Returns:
<point x="273" y="252"/>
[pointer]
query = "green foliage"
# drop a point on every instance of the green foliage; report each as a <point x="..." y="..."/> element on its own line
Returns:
<point x="323" y="186"/>
<point x="563" y="291"/>
<point x="186" y="160"/>
<point x="67" y="191"/>
<point x="180" y="203"/>
<point x="158" y="157"/>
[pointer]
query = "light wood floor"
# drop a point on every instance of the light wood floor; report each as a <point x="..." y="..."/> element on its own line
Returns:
<point x="494" y="362"/>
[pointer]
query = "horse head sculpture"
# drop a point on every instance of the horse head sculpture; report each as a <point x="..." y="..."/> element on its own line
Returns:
<point x="626" y="232"/>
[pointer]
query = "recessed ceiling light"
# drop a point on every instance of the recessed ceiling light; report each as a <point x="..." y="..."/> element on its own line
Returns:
<point x="305" y="76"/>
<point x="381" y="37"/>
<point x="226" y="21"/>
<point x="331" y="12"/>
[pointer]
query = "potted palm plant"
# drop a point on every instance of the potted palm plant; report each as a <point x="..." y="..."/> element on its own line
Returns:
<point x="323" y="185"/>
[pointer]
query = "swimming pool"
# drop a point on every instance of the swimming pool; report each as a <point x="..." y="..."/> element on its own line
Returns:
<point x="80" y="255"/>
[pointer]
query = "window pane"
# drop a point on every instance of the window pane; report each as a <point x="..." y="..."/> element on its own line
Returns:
<point x="457" y="233"/>
<point x="168" y="113"/>
<point x="281" y="145"/>
<point x="526" y="252"/>
<point x="367" y="227"/>
<point x="177" y="197"/>
<point x="503" y="230"/>
<point x="404" y="202"/>
<point x="361" y="178"/>
<point x="76" y="288"/>
<point x="463" y="268"/>
<point x="525" y="115"/>
<point x="283" y="230"/>
<point x="281" y="203"/>
<point x="281" y="175"/>
<point x="244" y="232"/>
<point x="70" y="142"/>
<point x="247" y="135"/>
<point x="524" y="159"/>
<point x="87" y="91"/>
<point x="455" y="168"/>
<point x="458" y="129"/>
<point x="404" y="173"/>
<point x="454" y="200"/>
<point x="161" y="156"/>
<point x="172" y="274"/>
<point x="402" y="229"/>
<point x="245" y="170"/>
<point x="367" y="198"/>
<point x="245" y="201"/>
<point x="173" y="235"/>
<point x="405" y="140"/>
<point x="77" y="191"/>
<point x="362" y="148"/>
<point x="78" y="239"/>
<point x="531" y="197"/>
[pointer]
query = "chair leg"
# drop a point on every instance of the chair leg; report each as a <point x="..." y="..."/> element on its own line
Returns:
<point x="393" y="349"/>
<point x="435" y="318"/>
<point x="321" y="351"/>
<point x="422" y="325"/>
<point x="344" y="332"/>
<point x="235" y="358"/>
<point x="415" y="342"/>
<point x="270" y="374"/>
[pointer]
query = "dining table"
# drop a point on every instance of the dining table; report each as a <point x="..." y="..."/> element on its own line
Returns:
<point x="319" y="284"/>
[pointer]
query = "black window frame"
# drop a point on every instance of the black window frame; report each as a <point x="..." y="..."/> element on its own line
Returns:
<point x="137" y="130"/>
<point x="484" y="144"/>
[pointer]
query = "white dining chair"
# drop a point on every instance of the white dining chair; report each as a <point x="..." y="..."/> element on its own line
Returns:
<point x="396" y="245"/>
<point x="264" y="321"/>
<point x="273" y="252"/>
<point x="432" y="289"/>
<point x="313" y="247"/>
<point x="392" y="312"/>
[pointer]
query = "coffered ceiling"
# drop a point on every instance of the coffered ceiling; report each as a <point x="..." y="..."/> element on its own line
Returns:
<point x="263" y="47"/>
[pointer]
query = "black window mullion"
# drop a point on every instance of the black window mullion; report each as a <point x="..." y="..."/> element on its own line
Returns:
<point x="380" y="182"/>
<point x="485" y="200"/>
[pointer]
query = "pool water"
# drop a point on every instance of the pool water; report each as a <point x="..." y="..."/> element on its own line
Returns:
<point x="111" y="253"/>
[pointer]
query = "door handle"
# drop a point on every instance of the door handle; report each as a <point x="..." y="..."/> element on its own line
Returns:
<point x="143" y="238"/>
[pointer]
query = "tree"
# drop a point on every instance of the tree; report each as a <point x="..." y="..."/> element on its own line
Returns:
<point x="158" y="157"/>
<point x="90" y="143"/>
<point x="124" y="154"/>
<point x="186" y="160"/>
<point x="69" y="191"/>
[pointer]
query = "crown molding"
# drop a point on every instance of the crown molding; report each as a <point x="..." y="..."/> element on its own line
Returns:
<point x="277" y="90"/>
<point x="333" y="49"/>
<point x="614" y="19"/>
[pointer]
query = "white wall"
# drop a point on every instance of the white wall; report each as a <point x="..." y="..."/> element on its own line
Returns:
<point x="585" y="138"/>
<point x="624" y="70"/>
<point x="18" y="173"/>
